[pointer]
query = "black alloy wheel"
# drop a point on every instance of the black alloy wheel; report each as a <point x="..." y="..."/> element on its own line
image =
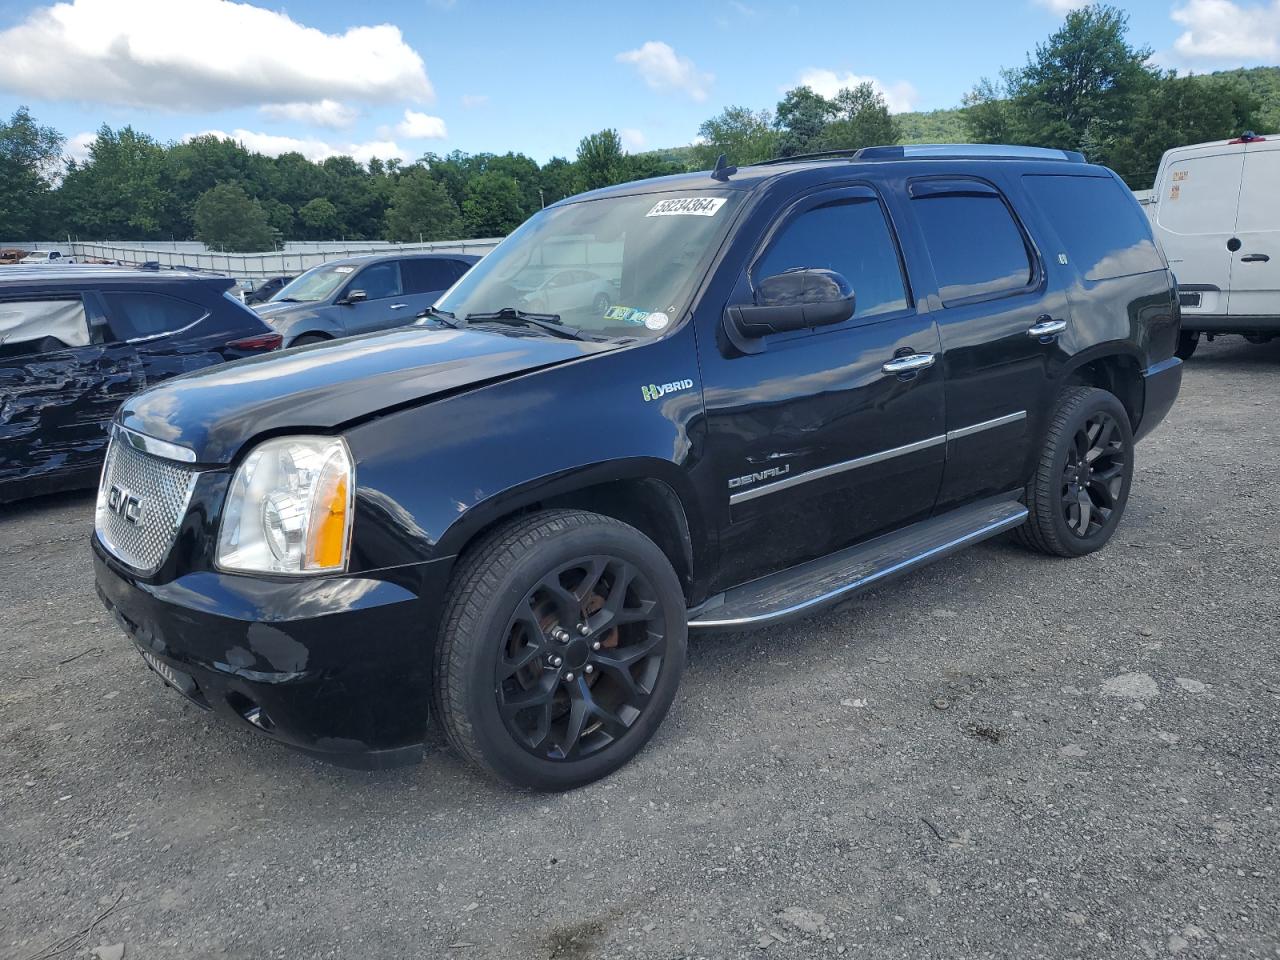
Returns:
<point x="1094" y="476"/>
<point x="581" y="658"/>
<point x="561" y="649"/>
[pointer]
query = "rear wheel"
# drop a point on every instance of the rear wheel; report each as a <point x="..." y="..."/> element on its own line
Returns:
<point x="1081" y="485"/>
<point x="1188" y="340"/>
<point x="306" y="338"/>
<point x="561" y="649"/>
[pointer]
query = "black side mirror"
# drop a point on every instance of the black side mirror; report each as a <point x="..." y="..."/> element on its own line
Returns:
<point x="795" y="300"/>
<point x="355" y="296"/>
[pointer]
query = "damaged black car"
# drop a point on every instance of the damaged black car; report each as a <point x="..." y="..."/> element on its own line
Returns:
<point x="76" y="341"/>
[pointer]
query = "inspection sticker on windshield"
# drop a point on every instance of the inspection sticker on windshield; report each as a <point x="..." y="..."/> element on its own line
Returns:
<point x="687" y="207"/>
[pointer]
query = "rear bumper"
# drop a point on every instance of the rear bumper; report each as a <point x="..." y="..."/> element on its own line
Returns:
<point x="1191" y="323"/>
<point x="336" y="667"/>
<point x="1161" y="383"/>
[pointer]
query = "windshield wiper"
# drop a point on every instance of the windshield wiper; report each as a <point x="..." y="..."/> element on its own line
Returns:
<point x="550" y="322"/>
<point x="285" y="300"/>
<point x="439" y="316"/>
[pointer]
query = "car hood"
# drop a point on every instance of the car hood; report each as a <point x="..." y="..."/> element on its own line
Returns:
<point x="324" y="386"/>
<point x="272" y="309"/>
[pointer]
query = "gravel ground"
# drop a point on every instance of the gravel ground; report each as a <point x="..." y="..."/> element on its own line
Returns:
<point x="1000" y="756"/>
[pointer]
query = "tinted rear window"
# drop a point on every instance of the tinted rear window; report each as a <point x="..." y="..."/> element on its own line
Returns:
<point x="976" y="248"/>
<point x="425" y="276"/>
<point x="1105" y="232"/>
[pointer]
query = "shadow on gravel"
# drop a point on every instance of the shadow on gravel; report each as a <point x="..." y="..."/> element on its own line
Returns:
<point x="1232" y="351"/>
<point x="33" y="506"/>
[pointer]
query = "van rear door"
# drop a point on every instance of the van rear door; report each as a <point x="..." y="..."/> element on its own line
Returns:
<point x="1196" y="198"/>
<point x="1255" y="272"/>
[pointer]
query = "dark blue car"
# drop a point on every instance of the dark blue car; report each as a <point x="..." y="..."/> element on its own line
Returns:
<point x="76" y="341"/>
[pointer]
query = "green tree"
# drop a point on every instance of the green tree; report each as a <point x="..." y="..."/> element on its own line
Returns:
<point x="227" y="218"/>
<point x="493" y="206"/>
<point x="30" y="161"/>
<point x="319" y="218"/>
<point x="801" y="119"/>
<point x="1180" y="110"/>
<point x="599" y="161"/>
<point x="742" y="135"/>
<point x="421" y="209"/>
<point x="122" y="191"/>
<point x="860" y="118"/>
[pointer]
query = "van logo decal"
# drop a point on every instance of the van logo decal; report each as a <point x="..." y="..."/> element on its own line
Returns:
<point x="771" y="474"/>
<point x="652" y="391"/>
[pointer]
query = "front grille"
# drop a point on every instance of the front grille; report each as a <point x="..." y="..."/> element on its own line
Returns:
<point x="141" y="503"/>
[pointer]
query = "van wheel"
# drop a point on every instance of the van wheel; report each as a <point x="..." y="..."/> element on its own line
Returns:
<point x="1187" y="343"/>
<point x="562" y="645"/>
<point x="1081" y="485"/>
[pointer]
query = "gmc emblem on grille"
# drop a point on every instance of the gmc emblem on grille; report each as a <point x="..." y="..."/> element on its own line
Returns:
<point x="122" y="503"/>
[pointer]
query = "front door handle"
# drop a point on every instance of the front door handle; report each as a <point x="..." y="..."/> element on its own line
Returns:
<point x="398" y="306"/>
<point x="912" y="363"/>
<point x="1047" y="328"/>
<point x="1255" y="258"/>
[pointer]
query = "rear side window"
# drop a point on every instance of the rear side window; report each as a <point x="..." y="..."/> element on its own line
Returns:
<point x="137" y="315"/>
<point x="1104" y="231"/>
<point x="425" y="276"/>
<point x="42" y="326"/>
<point x="976" y="248"/>
<point x="851" y="237"/>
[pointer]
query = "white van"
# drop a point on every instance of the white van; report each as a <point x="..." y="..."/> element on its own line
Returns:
<point x="1217" y="215"/>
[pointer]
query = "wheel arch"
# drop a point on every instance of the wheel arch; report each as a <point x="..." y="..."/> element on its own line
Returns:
<point x="1118" y="372"/>
<point x="639" y="493"/>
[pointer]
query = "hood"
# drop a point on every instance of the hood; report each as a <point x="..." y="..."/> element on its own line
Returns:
<point x="270" y="309"/>
<point x="324" y="386"/>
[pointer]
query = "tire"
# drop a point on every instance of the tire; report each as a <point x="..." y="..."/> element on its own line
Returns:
<point x="601" y="304"/>
<point x="1187" y="343"/>
<point x="1072" y="451"/>
<point x="307" y="338"/>
<point x="499" y="648"/>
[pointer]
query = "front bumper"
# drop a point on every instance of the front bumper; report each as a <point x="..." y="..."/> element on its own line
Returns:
<point x="335" y="667"/>
<point x="1161" y="383"/>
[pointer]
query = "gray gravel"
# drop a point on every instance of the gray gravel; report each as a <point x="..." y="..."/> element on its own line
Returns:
<point x="1001" y="756"/>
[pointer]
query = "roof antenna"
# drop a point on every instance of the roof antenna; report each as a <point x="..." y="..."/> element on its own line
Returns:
<point x="723" y="171"/>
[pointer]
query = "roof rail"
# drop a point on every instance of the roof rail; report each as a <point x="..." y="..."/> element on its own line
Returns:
<point x="952" y="151"/>
<point x="936" y="151"/>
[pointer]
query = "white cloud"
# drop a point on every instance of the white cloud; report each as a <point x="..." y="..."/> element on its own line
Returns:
<point x="666" y="71"/>
<point x="901" y="97"/>
<point x="201" y="55"/>
<point x="273" y="145"/>
<point x="632" y="139"/>
<point x="420" y="126"/>
<point x="472" y="100"/>
<point x="77" y="147"/>
<point x="321" y="113"/>
<point x="1062" y="7"/>
<point x="1228" y="33"/>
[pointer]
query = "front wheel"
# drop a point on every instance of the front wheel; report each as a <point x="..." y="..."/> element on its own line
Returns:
<point x="1081" y="485"/>
<point x="561" y="649"/>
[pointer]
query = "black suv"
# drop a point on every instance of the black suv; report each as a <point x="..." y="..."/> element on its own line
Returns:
<point x="75" y="341"/>
<point x="815" y="374"/>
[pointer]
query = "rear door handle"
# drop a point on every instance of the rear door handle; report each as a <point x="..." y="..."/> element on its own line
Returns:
<point x="912" y="363"/>
<point x="1047" y="328"/>
<point x="1255" y="258"/>
<point x="398" y="306"/>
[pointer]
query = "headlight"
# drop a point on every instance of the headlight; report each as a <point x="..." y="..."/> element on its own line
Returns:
<point x="289" y="508"/>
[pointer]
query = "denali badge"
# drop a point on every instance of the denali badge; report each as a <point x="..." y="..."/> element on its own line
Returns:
<point x="122" y="503"/>
<point x="771" y="474"/>
<point x="653" y="391"/>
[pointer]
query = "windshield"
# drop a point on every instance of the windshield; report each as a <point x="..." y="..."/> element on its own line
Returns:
<point x="614" y="267"/>
<point x="318" y="283"/>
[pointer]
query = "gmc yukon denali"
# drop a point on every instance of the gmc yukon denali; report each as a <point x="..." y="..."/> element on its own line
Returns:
<point x="810" y="375"/>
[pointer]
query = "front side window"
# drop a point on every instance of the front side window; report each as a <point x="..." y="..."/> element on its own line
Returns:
<point x="976" y="248"/>
<point x="29" y="327"/>
<point x="378" y="281"/>
<point x="616" y="267"/>
<point x="138" y="315"/>
<point x="851" y="237"/>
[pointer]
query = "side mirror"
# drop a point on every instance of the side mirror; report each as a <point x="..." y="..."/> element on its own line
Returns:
<point x="795" y="300"/>
<point x="355" y="296"/>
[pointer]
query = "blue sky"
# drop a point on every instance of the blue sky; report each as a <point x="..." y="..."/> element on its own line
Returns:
<point x="401" y="77"/>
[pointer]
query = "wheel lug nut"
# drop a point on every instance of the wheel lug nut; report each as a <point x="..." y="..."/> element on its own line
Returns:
<point x="583" y="629"/>
<point x="588" y="669"/>
<point x="556" y="661"/>
<point x="596" y="645"/>
<point x="569" y="675"/>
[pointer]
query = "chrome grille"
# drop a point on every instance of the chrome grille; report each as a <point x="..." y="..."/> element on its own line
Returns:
<point x="141" y="503"/>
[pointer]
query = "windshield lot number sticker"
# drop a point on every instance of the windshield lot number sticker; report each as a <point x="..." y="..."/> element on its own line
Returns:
<point x="687" y="207"/>
<point x="656" y="321"/>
